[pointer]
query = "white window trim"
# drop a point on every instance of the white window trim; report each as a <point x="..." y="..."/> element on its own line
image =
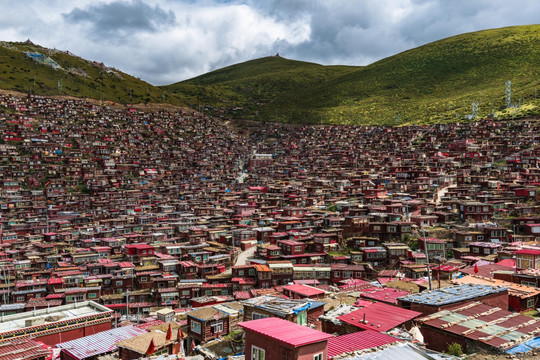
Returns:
<point x="194" y="327"/>
<point x="256" y="353"/>
<point x="319" y="356"/>
<point x="217" y="327"/>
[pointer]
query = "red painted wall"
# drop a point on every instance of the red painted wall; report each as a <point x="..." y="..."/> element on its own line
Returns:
<point x="273" y="347"/>
<point x="57" y="338"/>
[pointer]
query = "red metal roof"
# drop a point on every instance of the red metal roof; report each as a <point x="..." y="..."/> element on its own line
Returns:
<point x="24" y="349"/>
<point x="485" y="270"/>
<point x="358" y="341"/>
<point x="511" y="263"/>
<point x="527" y="252"/>
<point x="285" y="331"/>
<point x="379" y="316"/>
<point x="388" y="295"/>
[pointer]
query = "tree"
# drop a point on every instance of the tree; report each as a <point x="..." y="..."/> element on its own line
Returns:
<point x="455" y="349"/>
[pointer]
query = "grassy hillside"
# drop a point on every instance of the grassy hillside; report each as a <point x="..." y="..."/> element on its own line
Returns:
<point x="53" y="72"/>
<point x="254" y="84"/>
<point x="436" y="82"/>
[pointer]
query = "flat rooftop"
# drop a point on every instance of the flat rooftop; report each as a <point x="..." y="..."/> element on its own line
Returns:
<point x="51" y="315"/>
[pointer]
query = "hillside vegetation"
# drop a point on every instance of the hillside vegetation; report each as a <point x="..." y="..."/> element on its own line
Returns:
<point x="29" y="68"/>
<point x="437" y="82"/>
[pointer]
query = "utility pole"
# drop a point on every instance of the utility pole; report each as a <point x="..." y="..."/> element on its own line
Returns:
<point x="427" y="259"/>
<point x="508" y="93"/>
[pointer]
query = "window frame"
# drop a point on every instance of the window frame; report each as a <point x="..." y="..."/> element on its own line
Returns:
<point x="197" y="326"/>
<point x="256" y="353"/>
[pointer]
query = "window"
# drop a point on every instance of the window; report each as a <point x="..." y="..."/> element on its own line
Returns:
<point x="318" y="356"/>
<point x="486" y="251"/>
<point x="475" y="250"/>
<point x="118" y="282"/>
<point x="20" y="299"/>
<point x="530" y="303"/>
<point x="185" y="292"/>
<point x="257" y="353"/>
<point x="301" y="318"/>
<point x="217" y="327"/>
<point x="196" y="327"/>
<point x="524" y="261"/>
<point x="144" y="279"/>
<point x="255" y="316"/>
<point x="92" y="295"/>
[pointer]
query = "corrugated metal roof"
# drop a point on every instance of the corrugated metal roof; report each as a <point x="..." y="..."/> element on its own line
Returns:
<point x="99" y="343"/>
<point x="358" y="341"/>
<point x="493" y="326"/>
<point x="379" y="317"/>
<point x="453" y="294"/>
<point x="303" y="290"/>
<point x="24" y="349"/>
<point x="402" y="351"/>
<point x="285" y="331"/>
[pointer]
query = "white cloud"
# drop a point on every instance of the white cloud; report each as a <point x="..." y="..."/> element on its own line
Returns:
<point x="165" y="41"/>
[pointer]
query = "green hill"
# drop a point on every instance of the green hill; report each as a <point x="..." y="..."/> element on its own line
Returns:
<point x="436" y="82"/>
<point x="30" y="68"/>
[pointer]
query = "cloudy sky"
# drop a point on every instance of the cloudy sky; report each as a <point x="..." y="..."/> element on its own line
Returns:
<point x="165" y="41"/>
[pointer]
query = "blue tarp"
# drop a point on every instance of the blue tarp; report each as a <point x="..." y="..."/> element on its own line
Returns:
<point x="305" y="307"/>
<point x="532" y="344"/>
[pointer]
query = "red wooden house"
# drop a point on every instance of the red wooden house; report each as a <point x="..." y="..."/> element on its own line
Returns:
<point x="274" y="338"/>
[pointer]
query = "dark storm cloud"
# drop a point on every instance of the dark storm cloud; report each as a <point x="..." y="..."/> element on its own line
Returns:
<point x="121" y="18"/>
<point x="364" y="31"/>
<point x="164" y="41"/>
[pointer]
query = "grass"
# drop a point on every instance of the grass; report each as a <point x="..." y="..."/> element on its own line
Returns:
<point x="436" y="82"/>
<point x="77" y="77"/>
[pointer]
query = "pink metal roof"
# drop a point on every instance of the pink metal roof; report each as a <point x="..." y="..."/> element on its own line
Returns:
<point x="511" y="263"/>
<point x="379" y="316"/>
<point x="141" y="246"/>
<point x="358" y="341"/>
<point x="285" y="331"/>
<point x="527" y="252"/>
<point x="303" y="290"/>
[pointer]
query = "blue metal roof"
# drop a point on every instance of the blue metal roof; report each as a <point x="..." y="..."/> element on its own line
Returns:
<point x="452" y="294"/>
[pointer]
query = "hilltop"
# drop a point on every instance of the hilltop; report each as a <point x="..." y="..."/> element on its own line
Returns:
<point x="437" y="82"/>
<point x="30" y="68"/>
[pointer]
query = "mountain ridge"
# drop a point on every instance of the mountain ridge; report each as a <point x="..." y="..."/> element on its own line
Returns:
<point x="435" y="82"/>
<point x="454" y="79"/>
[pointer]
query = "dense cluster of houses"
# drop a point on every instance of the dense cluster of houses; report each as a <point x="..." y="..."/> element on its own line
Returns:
<point x="141" y="219"/>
